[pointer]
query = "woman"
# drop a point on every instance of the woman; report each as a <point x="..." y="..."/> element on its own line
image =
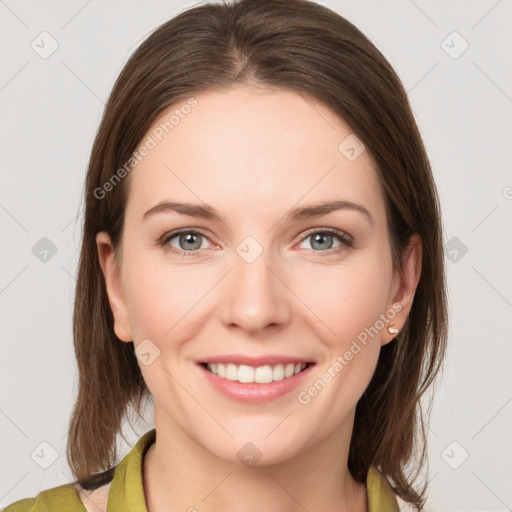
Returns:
<point x="284" y="375"/>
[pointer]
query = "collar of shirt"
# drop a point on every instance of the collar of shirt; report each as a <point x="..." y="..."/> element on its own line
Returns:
<point x="125" y="491"/>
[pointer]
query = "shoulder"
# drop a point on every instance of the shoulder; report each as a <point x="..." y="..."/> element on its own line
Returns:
<point x="63" y="498"/>
<point x="24" y="505"/>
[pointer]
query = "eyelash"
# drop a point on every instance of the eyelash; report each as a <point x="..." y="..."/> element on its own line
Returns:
<point x="342" y="237"/>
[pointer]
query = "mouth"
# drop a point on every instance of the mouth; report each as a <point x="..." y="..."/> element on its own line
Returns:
<point x="264" y="374"/>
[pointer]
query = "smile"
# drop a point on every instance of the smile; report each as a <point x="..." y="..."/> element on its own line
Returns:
<point x="250" y="374"/>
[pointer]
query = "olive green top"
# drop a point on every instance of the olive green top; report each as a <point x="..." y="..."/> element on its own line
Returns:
<point x="126" y="492"/>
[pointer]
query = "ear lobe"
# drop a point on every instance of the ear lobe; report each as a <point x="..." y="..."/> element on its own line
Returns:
<point x="407" y="283"/>
<point x="112" y="275"/>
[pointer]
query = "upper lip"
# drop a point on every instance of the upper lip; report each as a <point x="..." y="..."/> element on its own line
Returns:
<point x="239" y="359"/>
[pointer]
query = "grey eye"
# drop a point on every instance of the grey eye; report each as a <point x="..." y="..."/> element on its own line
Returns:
<point x="187" y="241"/>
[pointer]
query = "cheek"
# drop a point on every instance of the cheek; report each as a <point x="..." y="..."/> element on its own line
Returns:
<point x="161" y="297"/>
<point x="349" y="306"/>
<point x="347" y="299"/>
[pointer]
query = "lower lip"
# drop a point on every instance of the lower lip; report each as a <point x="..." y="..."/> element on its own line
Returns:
<point x="253" y="392"/>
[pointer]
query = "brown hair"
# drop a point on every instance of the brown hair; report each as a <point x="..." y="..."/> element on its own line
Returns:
<point x="305" y="47"/>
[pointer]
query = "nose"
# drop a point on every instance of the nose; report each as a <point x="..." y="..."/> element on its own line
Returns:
<point x="255" y="296"/>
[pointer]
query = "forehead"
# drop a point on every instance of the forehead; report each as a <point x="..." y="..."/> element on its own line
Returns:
<point x="245" y="146"/>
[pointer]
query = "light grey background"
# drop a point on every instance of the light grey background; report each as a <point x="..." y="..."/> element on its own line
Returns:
<point x="51" y="109"/>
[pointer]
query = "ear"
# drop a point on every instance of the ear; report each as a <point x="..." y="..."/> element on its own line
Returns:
<point x="112" y="274"/>
<point x="404" y="285"/>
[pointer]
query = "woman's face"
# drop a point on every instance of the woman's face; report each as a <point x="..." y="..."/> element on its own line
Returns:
<point x="257" y="287"/>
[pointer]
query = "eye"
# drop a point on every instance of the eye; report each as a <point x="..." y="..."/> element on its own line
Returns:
<point x="322" y="239"/>
<point x="187" y="241"/>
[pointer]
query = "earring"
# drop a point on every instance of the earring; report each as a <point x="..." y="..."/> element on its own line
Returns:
<point x="392" y="330"/>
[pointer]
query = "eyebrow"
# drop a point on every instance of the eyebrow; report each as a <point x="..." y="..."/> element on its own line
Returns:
<point x="300" y="213"/>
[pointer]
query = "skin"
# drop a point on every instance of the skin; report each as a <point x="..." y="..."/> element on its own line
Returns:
<point x="253" y="153"/>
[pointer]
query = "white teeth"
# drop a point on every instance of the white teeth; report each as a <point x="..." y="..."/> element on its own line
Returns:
<point x="260" y="375"/>
<point x="263" y="374"/>
<point x="231" y="372"/>
<point x="245" y="373"/>
<point x="289" y="369"/>
<point x="278" y="373"/>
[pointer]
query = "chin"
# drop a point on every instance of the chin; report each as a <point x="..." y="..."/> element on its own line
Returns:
<point x="256" y="450"/>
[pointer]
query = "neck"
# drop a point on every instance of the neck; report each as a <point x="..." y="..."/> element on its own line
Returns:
<point x="178" y="474"/>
